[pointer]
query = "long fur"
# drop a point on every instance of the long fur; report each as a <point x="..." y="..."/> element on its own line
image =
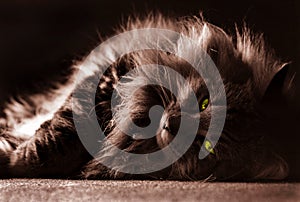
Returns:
<point x="245" y="64"/>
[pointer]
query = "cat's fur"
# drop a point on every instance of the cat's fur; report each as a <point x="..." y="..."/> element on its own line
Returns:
<point x="246" y="67"/>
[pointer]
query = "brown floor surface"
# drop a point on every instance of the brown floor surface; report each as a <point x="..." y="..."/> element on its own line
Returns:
<point x="72" y="190"/>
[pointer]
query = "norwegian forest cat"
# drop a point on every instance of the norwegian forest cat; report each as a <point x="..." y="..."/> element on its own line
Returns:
<point x="39" y="138"/>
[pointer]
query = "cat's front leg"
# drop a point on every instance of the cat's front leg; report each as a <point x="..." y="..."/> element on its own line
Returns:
<point x="8" y="143"/>
<point x="54" y="151"/>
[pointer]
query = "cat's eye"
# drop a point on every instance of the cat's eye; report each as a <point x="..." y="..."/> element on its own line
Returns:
<point x="204" y="104"/>
<point x="208" y="147"/>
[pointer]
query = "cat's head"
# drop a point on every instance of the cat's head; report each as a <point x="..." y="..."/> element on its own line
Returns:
<point x="247" y="69"/>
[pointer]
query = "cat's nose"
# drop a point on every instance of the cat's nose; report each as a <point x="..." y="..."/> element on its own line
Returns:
<point x="171" y="125"/>
<point x="166" y="127"/>
<point x="169" y="129"/>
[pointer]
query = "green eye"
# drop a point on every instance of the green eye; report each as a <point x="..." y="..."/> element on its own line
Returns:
<point x="204" y="104"/>
<point x="208" y="147"/>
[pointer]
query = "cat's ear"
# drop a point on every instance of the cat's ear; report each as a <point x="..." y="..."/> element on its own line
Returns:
<point x="270" y="166"/>
<point x="277" y="84"/>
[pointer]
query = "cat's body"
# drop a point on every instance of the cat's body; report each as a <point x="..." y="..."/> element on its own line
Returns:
<point x="55" y="150"/>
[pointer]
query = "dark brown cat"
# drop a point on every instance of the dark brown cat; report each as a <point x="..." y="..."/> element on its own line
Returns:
<point x="246" y="68"/>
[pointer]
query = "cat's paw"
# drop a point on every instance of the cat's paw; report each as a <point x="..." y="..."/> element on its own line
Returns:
<point x="8" y="143"/>
<point x="5" y="151"/>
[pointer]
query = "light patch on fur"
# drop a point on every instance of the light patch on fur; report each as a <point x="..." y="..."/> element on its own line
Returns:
<point x="5" y="146"/>
<point x="23" y="118"/>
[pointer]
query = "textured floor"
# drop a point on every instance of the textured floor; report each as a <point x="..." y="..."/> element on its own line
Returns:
<point x="72" y="190"/>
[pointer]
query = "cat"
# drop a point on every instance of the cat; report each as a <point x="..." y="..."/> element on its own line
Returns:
<point x="39" y="137"/>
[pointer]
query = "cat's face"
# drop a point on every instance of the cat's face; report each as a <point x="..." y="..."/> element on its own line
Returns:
<point x="174" y="108"/>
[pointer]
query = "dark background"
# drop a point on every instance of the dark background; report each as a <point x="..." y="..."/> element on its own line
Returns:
<point x="39" y="39"/>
